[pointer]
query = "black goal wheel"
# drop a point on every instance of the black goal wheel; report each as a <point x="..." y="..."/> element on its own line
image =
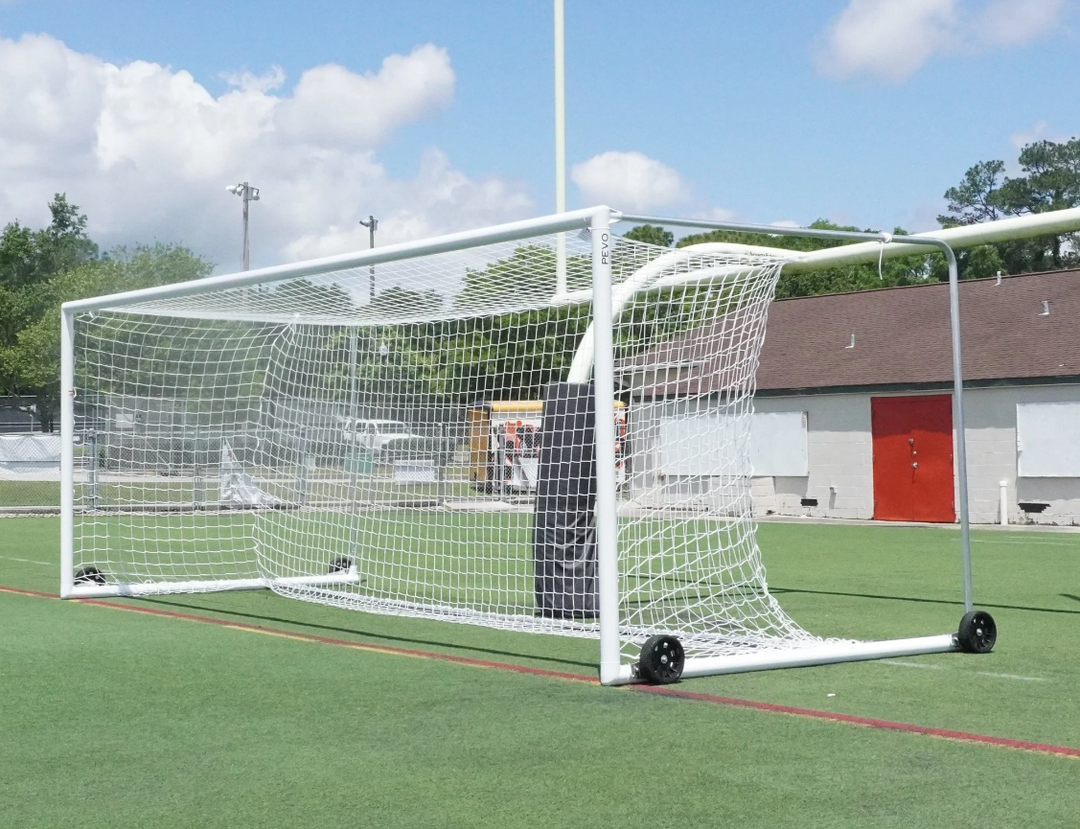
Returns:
<point x="977" y="632"/>
<point x="89" y="575"/>
<point x="340" y="564"/>
<point x="662" y="660"/>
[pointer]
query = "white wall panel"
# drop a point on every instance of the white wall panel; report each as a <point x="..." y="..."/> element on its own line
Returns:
<point x="1048" y="440"/>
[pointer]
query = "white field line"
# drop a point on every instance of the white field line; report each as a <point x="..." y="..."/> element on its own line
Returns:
<point x="28" y="561"/>
<point x="1024" y="542"/>
<point x="1012" y="676"/>
<point x="925" y="666"/>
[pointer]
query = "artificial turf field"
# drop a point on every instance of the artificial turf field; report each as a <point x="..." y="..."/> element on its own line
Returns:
<point x="115" y="719"/>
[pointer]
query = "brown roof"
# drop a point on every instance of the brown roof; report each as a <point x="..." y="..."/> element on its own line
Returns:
<point x="901" y="337"/>
<point x="902" y="334"/>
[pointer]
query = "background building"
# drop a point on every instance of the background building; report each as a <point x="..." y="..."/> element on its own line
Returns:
<point x="854" y="411"/>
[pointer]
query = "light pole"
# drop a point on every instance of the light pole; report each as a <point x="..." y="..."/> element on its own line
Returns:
<point x="560" y="144"/>
<point x="372" y="224"/>
<point x="248" y="194"/>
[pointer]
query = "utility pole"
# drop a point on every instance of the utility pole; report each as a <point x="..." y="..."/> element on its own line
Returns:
<point x="248" y="194"/>
<point x="560" y="144"/>
<point x="372" y="224"/>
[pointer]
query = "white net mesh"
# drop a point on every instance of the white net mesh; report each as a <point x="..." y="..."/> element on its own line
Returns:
<point x="384" y="452"/>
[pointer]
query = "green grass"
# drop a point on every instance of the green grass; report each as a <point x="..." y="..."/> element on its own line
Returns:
<point x="117" y="719"/>
<point x="321" y="486"/>
<point x="29" y="494"/>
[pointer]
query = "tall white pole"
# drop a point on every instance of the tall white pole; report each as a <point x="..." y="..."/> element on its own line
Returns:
<point x="560" y="146"/>
<point x="247" y="250"/>
<point x="67" y="453"/>
<point x="372" y="224"/>
<point x="249" y="194"/>
<point x="606" y="500"/>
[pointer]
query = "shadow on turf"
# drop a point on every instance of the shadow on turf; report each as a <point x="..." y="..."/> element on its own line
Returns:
<point x="457" y="646"/>
<point x="369" y="635"/>
<point x="781" y="590"/>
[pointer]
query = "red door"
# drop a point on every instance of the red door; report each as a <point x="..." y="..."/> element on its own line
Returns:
<point x="913" y="461"/>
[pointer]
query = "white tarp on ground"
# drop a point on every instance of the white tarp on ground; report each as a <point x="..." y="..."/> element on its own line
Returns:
<point x="524" y="473"/>
<point x="30" y="457"/>
<point x="238" y="489"/>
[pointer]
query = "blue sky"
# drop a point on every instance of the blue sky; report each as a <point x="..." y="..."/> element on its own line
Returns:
<point x="438" y="116"/>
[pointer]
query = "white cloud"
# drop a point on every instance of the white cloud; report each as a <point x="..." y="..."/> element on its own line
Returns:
<point x="332" y="105"/>
<point x="439" y="200"/>
<point x="146" y="152"/>
<point x="629" y="181"/>
<point x="1008" y="22"/>
<point x="1039" y="132"/>
<point x="717" y="214"/>
<point x="891" y="39"/>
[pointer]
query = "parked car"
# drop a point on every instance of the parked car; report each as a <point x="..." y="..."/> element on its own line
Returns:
<point x="374" y="435"/>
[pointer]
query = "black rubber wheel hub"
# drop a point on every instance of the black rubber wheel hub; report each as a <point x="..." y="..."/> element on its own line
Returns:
<point x="662" y="660"/>
<point x="89" y="575"/>
<point x="340" y="564"/>
<point x="977" y="633"/>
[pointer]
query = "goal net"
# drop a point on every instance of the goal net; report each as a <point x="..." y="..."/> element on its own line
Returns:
<point x="466" y="430"/>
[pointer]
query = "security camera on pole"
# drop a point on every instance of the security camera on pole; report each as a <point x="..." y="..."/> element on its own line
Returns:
<point x="248" y="194"/>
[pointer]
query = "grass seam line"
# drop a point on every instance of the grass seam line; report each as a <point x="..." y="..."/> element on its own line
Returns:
<point x="658" y="690"/>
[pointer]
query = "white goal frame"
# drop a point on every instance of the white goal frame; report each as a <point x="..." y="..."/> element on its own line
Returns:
<point x="595" y="359"/>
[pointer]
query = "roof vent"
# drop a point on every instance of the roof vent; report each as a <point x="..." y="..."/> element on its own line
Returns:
<point x="1046" y="308"/>
<point x="998" y="278"/>
<point x="852" y="343"/>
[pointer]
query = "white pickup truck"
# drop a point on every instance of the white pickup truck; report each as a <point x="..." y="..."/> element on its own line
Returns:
<point x="374" y="435"/>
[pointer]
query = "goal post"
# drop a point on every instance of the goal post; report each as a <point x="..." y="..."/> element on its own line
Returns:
<point x="289" y="429"/>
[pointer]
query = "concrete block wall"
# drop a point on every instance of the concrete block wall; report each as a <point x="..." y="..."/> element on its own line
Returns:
<point x="991" y="446"/>
<point x="840" y="455"/>
<point x="840" y="451"/>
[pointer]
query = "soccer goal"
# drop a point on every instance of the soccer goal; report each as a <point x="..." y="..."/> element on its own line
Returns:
<point x="432" y="429"/>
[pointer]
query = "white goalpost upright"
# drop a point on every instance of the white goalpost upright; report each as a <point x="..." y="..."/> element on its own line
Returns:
<point x="539" y="426"/>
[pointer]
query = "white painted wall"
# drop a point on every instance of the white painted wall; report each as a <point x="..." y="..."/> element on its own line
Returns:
<point x="841" y="463"/>
<point x="839" y="449"/>
<point x="991" y="421"/>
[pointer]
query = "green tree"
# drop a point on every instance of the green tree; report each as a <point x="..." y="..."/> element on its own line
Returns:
<point x="651" y="234"/>
<point x="41" y="269"/>
<point x="29" y="258"/>
<point x="978" y="198"/>
<point x="403" y="302"/>
<point x="906" y="271"/>
<point x="1050" y="180"/>
<point x="527" y="276"/>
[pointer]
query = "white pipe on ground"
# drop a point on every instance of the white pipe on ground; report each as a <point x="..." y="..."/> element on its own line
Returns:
<point x="824" y="653"/>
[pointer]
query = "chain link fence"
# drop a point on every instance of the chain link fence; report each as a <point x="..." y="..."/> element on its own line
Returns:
<point x="30" y="472"/>
<point x="199" y="469"/>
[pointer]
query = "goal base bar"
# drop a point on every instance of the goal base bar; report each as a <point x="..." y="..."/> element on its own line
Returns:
<point x="102" y="591"/>
<point x="826" y="653"/>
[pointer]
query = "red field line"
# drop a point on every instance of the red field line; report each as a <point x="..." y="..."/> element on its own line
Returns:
<point x="869" y="722"/>
<point x="660" y="690"/>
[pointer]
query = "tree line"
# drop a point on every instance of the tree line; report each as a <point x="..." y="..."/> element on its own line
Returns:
<point x="1049" y="179"/>
<point x="40" y="269"/>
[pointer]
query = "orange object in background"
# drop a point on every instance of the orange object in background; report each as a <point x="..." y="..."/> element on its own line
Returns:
<point x="502" y="433"/>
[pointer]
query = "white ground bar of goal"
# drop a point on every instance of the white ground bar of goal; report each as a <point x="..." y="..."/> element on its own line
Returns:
<point x="100" y="591"/>
<point x="824" y="654"/>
